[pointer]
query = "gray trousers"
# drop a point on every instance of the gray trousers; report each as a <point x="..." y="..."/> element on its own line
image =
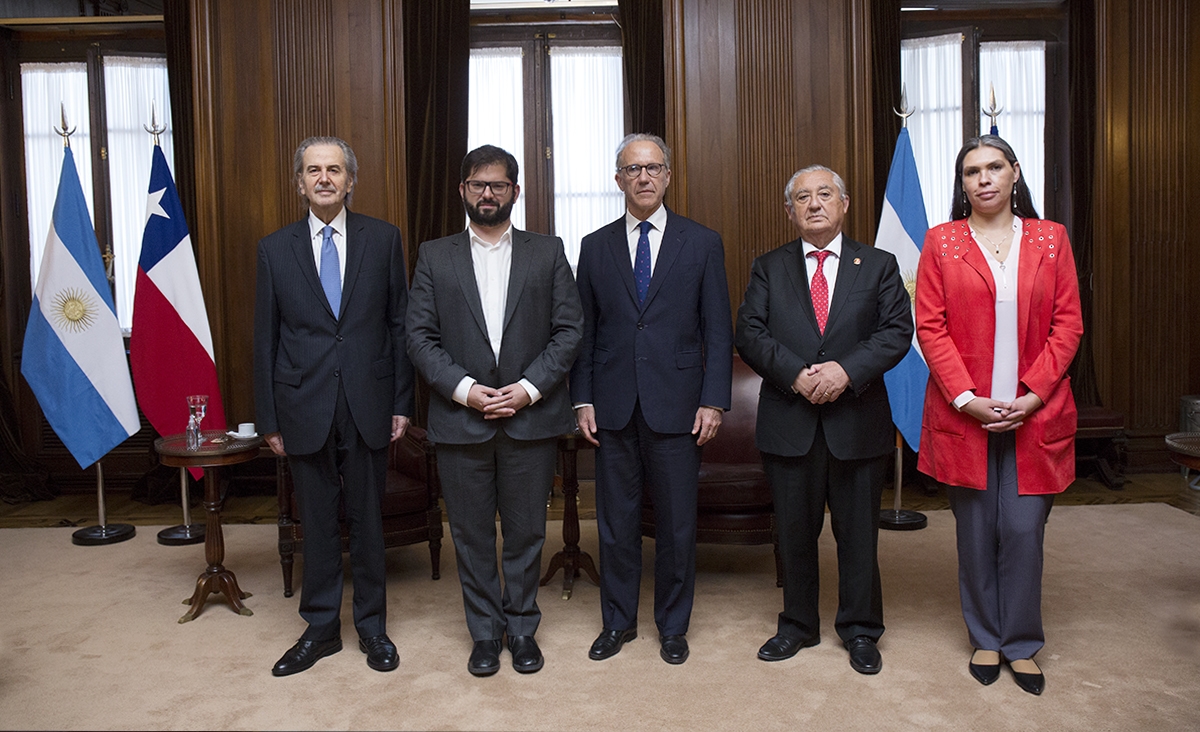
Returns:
<point x="512" y="477"/>
<point x="1000" y="556"/>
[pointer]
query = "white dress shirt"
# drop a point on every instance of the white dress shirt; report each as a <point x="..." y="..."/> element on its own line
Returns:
<point x="316" y="231"/>
<point x="493" y="264"/>
<point x="831" y="263"/>
<point x="658" y="222"/>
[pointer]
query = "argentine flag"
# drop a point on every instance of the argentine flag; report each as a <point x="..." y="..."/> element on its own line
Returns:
<point x="74" y="356"/>
<point x="902" y="227"/>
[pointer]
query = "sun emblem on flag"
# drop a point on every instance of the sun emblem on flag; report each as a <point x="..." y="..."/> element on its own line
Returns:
<point x="74" y="310"/>
<point x="910" y="284"/>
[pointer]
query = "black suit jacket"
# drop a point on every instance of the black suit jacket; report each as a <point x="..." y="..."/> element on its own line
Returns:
<point x="448" y="338"/>
<point x="301" y="351"/>
<point x="868" y="331"/>
<point x="674" y="352"/>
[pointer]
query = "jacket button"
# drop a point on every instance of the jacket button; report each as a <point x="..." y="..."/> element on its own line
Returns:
<point x="641" y="326"/>
<point x="821" y="352"/>
<point x="337" y="373"/>
<point x="338" y="337"/>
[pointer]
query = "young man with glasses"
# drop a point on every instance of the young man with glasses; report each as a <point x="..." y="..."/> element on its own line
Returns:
<point x="494" y="326"/>
<point x="649" y="387"/>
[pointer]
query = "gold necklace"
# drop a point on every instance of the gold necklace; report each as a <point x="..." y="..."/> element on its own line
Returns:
<point x="995" y="246"/>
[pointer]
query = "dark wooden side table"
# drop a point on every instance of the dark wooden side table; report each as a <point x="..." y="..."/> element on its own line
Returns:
<point x="571" y="559"/>
<point x="216" y="453"/>
<point x="1185" y="450"/>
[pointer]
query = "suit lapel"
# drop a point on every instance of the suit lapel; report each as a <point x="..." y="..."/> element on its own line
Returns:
<point x="356" y="244"/>
<point x="973" y="256"/>
<point x="668" y="251"/>
<point x="793" y="262"/>
<point x="464" y="269"/>
<point x="1029" y="262"/>
<point x="618" y="249"/>
<point x="522" y="254"/>
<point x="849" y="266"/>
<point x="302" y="250"/>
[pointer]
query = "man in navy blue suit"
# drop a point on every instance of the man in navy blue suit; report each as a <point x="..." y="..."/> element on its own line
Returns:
<point x="332" y="387"/>
<point x="650" y="385"/>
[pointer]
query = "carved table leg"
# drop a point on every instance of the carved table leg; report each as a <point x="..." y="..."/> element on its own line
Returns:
<point x="571" y="559"/>
<point x="215" y="578"/>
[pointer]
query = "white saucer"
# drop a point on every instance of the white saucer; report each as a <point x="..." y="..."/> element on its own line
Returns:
<point x="237" y="436"/>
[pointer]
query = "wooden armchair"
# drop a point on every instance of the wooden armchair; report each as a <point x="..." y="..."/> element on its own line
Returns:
<point x="411" y="513"/>
<point x="734" y="503"/>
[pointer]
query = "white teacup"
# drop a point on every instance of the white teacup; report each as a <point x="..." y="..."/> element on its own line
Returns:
<point x="245" y="429"/>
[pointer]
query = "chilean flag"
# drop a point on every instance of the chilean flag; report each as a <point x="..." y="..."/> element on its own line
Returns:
<point x="170" y="348"/>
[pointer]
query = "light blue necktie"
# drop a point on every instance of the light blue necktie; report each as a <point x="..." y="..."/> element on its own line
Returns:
<point x="331" y="276"/>
<point x="641" y="262"/>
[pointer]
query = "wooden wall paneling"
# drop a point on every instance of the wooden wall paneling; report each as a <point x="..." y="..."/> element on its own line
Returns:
<point x="265" y="77"/>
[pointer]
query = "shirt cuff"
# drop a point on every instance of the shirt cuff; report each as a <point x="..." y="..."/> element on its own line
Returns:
<point x="961" y="400"/>
<point x="581" y="405"/>
<point x="462" y="390"/>
<point x="532" y="390"/>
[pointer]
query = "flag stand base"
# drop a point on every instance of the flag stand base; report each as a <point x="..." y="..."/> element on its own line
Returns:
<point x="108" y="534"/>
<point x="182" y="534"/>
<point x="902" y="520"/>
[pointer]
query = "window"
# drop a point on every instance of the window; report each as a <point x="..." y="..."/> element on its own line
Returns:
<point x="553" y="97"/>
<point x="947" y="57"/>
<point x="127" y="88"/>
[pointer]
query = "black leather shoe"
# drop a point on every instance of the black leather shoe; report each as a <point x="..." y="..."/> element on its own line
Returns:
<point x="781" y="647"/>
<point x="304" y="654"/>
<point x="609" y="642"/>
<point x="526" y="656"/>
<point x="381" y="652"/>
<point x="864" y="656"/>
<point x="983" y="673"/>
<point x="674" y="649"/>
<point x="1033" y="683"/>
<point x="485" y="658"/>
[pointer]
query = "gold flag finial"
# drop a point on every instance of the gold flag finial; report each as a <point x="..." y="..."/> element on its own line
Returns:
<point x="63" y="131"/>
<point x="905" y="111"/>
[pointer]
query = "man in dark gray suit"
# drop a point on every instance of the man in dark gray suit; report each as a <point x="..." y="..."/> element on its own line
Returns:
<point x="823" y="318"/>
<point x="494" y="325"/>
<point x="332" y="386"/>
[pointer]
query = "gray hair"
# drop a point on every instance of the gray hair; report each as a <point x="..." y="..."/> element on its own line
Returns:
<point x="351" y="160"/>
<point x="791" y="184"/>
<point x="644" y="137"/>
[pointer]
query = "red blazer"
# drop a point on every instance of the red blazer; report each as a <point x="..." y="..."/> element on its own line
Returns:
<point x="956" y="328"/>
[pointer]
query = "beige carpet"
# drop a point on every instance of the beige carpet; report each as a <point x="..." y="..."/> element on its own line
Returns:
<point x="89" y="640"/>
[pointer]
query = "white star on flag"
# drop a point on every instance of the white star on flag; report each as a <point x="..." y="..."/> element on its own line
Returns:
<point x="154" y="205"/>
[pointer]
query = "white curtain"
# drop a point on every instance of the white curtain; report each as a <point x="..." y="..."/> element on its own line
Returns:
<point x="132" y="86"/>
<point x="47" y="89"/>
<point x="931" y="70"/>
<point x="1017" y="70"/>
<point x="495" y="112"/>
<point x="587" y="105"/>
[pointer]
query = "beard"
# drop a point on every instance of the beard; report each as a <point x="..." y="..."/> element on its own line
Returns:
<point x="485" y="218"/>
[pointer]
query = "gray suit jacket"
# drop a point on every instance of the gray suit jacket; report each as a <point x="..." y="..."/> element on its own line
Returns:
<point x="301" y="351"/>
<point x="448" y="340"/>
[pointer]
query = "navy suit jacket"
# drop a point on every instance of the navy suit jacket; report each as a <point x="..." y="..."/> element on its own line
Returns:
<point x="301" y="351"/>
<point x="674" y="352"/>
<point x="448" y="336"/>
<point x="869" y="329"/>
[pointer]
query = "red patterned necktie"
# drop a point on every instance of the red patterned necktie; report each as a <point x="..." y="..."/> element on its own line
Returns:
<point x="819" y="287"/>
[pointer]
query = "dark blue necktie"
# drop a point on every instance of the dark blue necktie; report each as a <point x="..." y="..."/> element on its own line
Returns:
<point x="641" y="262"/>
<point x="331" y="276"/>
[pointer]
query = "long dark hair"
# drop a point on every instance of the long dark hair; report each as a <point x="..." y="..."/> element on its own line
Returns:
<point x="1022" y="200"/>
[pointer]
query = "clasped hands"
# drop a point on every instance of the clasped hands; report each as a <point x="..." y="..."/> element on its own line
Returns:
<point x="995" y="416"/>
<point x="821" y="383"/>
<point x="498" y="403"/>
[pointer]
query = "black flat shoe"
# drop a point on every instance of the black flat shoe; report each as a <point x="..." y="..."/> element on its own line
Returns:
<point x="983" y="673"/>
<point x="1033" y="683"/>
<point x="381" y="652"/>
<point x="526" y="656"/>
<point x="485" y="658"/>
<point x="864" y="656"/>
<point x="674" y="649"/>
<point x="782" y="647"/>
<point x="609" y="642"/>
<point x="304" y="654"/>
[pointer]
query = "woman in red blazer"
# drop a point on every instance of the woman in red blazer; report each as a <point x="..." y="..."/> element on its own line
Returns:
<point x="998" y="321"/>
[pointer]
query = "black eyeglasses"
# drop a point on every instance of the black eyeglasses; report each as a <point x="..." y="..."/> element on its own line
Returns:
<point x="633" y="171"/>
<point x="498" y="187"/>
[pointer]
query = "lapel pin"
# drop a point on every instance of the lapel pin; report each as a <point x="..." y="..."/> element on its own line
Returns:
<point x="857" y="260"/>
